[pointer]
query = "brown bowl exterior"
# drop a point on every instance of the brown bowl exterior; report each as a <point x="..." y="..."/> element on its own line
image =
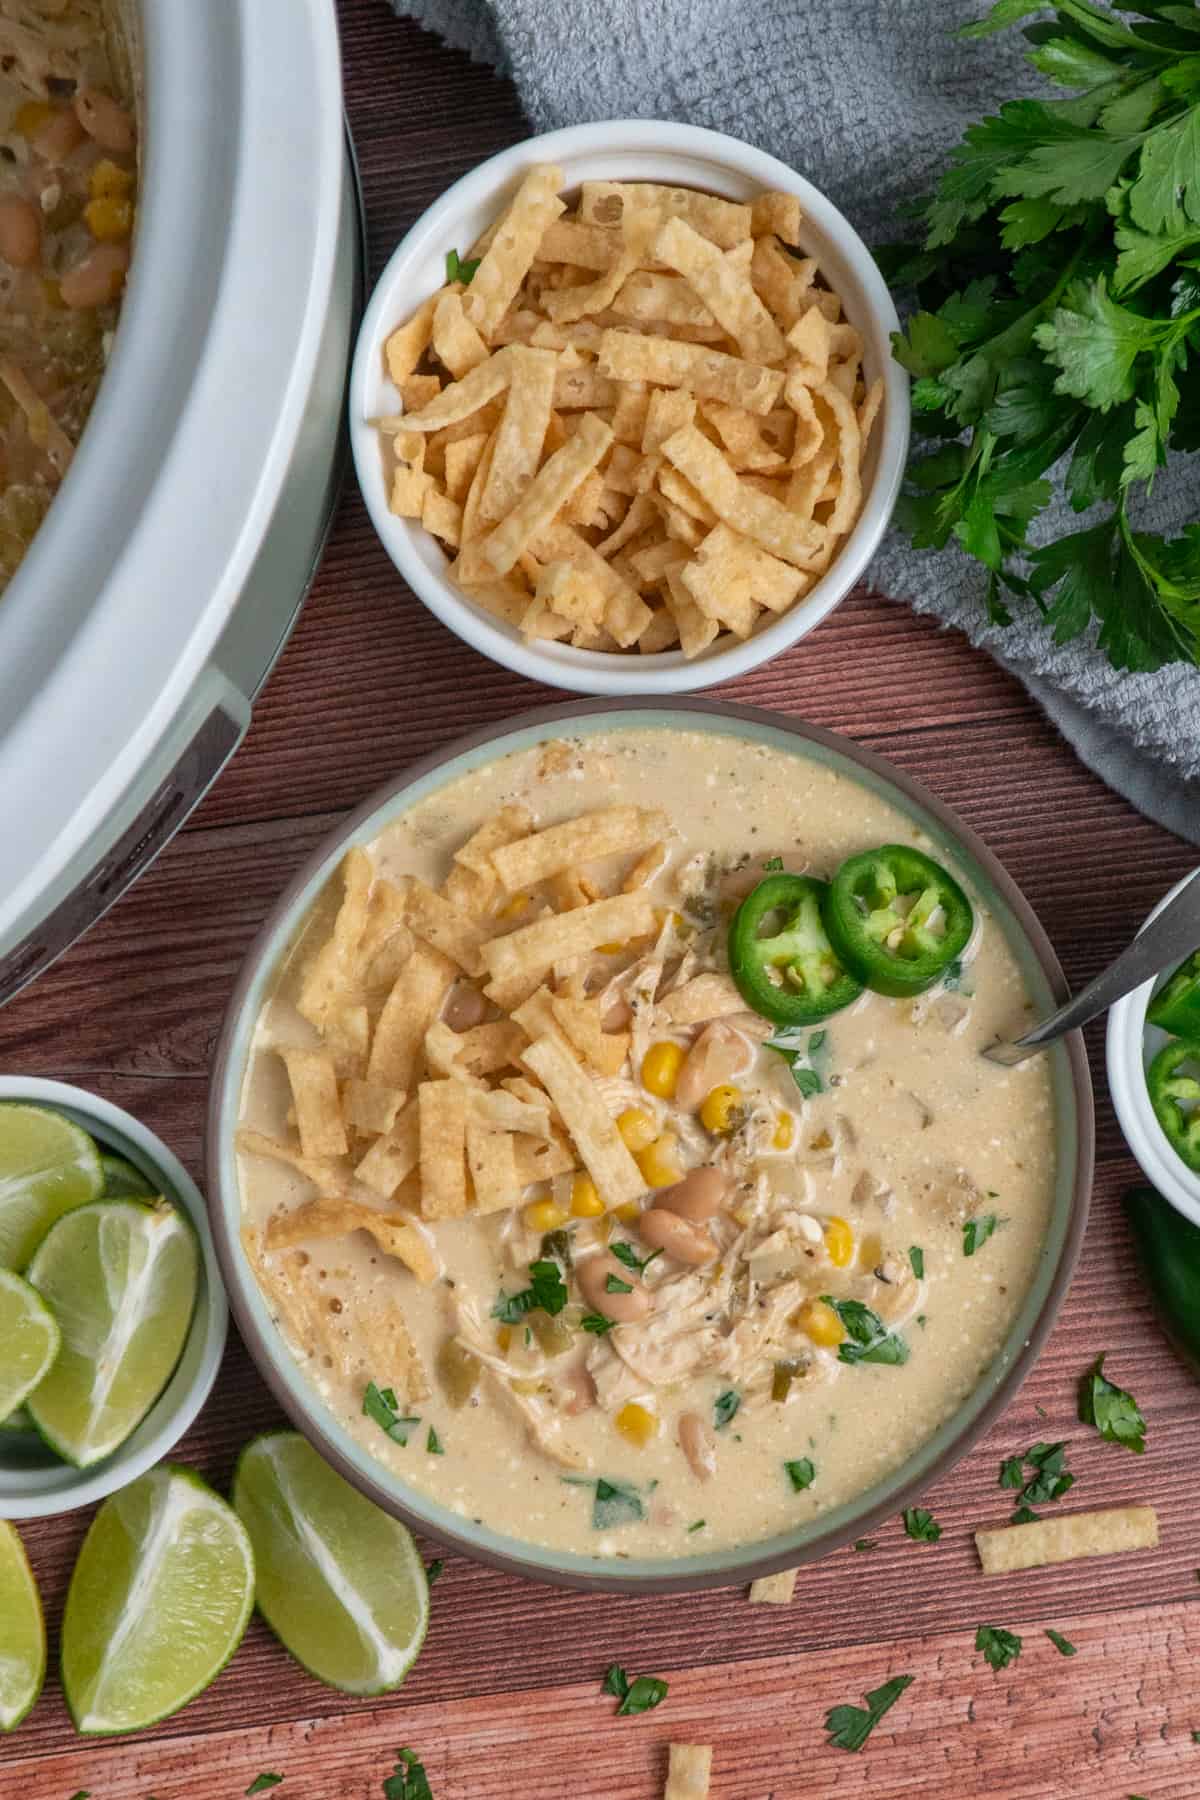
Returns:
<point x="611" y="1579"/>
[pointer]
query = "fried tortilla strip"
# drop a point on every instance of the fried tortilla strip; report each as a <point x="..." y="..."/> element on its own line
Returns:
<point x="1063" y="1539"/>
<point x="462" y="460"/>
<point x="484" y="1049"/>
<point x="711" y="374"/>
<point x="550" y="488"/>
<point x="593" y="1131"/>
<point x="456" y="343"/>
<point x="849" y="498"/>
<point x="774" y="1590"/>
<point x="510" y="254"/>
<point x="370" y="1109"/>
<point x="386" y="942"/>
<point x="584" y="246"/>
<point x="325" y="1175"/>
<point x="409" y="342"/>
<point x="809" y="340"/>
<point x="395" y="1235"/>
<point x="868" y="412"/>
<point x="541" y="1159"/>
<point x="443" y="1051"/>
<point x="461" y="398"/>
<point x="648" y="296"/>
<point x="443" y="1132"/>
<point x="724" y="289"/>
<point x="614" y="831"/>
<point x="648" y="867"/>
<point x="392" y="1159"/>
<point x="437" y="922"/>
<point x="625" y="613"/>
<point x="579" y="1021"/>
<point x="530" y="952"/>
<point x="778" y="213"/>
<point x="410" y="1009"/>
<point x="492" y="1162"/>
<point x="696" y="630"/>
<point x="726" y="222"/>
<point x="718" y="580"/>
<point x="503" y="1111"/>
<point x="739" y="505"/>
<point x="521" y="431"/>
<point x="328" y="979"/>
<point x="568" y="304"/>
<point x="703" y="998"/>
<point x="383" y="1349"/>
<point x="314" y="1087"/>
<point x="689" y="1772"/>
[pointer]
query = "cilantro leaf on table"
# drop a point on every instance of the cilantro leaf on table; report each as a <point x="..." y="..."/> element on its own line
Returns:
<point x="1050" y="1479"/>
<point x="1114" y="1412"/>
<point x="999" y="1647"/>
<point x="409" y="1781"/>
<point x="921" y="1525"/>
<point x="1063" y="1645"/>
<point x="849" y="1727"/>
<point x="262" y="1782"/>
<point x="640" y="1695"/>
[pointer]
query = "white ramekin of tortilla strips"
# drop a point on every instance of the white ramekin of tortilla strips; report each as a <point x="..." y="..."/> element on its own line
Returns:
<point x="626" y="150"/>
<point x="34" y="1483"/>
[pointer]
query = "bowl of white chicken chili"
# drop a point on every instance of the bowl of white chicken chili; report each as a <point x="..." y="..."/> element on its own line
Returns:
<point x="603" y="1166"/>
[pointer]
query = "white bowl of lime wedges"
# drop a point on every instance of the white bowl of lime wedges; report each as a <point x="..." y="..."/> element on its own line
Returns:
<point x="112" y="1313"/>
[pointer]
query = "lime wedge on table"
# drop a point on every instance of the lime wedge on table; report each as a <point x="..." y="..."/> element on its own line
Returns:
<point x="122" y="1181"/>
<point x="29" y="1340"/>
<point x="22" y="1633"/>
<point x="47" y="1166"/>
<point x="339" y="1581"/>
<point x="159" y="1599"/>
<point x="121" y="1279"/>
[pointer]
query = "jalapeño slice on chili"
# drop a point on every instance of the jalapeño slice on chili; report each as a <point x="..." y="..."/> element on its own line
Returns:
<point x="1176" y="1006"/>
<point x="780" y="957"/>
<point x="1175" y="1096"/>
<point x="897" y="919"/>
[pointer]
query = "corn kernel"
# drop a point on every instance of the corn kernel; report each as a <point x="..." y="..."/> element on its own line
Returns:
<point x="637" y="1128"/>
<point x="629" y="1212"/>
<point x="870" y="1252"/>
<point x="637" y="1423"/>
<point x="543" y="1215"/>
<point x="30" y="117"/>
<point x="109" y="181"/>
<point x="660" y="1069"/>
<point x="503" y="1338"/>
<point x="785" y="1131"/>
<point x="659" y="1163"/>
<point x="820" y="1323"/>
<point x="839" y="1241"/>
<point x="512" y="907"/>
<point x="585" y="1201"/>
<point x="719" y="1111"/>
<point x="108" y="219"/>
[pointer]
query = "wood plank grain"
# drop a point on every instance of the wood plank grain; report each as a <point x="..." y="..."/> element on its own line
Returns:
<point x="1092" y="1724"/>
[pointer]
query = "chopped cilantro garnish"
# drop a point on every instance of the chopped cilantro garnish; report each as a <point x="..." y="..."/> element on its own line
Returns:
<point x="697" y="1525"/>
<point x="1063" y="1645"/>
<point x="772" y="865"/>
<point x="615" y="1502"/>
<point x="381" y="1406"/>
<point x="640" y="1695"/>
<point x="1113" y="1412"/>
<point x="614" y="1285"/>
<point x="433" y="1570"/>
<point x="977" y="1231"/>
<point x="849" y="1727"/>
<point x="547" y="1290"/>
<point x="262" y="1782"/>
<point x="868" y="1339"/>
<point x="458" y="270"/>
<point x="801" y="1474"/>
<point x="916" y="1258"/>
<point x="433" y="1444"/>
<point x="920" y="1525"/>
<point x="628" y="1255"/>
<point x="999" y="1647"/>
<point x="865" y="1544"/>
<point x="725" y="1407"/>
<point x="797" y="1046"/>
<point x="409" y="1782"/>
<point x="596" y="1323"/>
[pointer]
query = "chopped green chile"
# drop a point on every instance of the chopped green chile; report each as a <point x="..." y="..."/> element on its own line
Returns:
<point x="1173" y="1081"/>
<point x="897" y="919"/>
<point x="791" y="974"/>
<point x="554" y="1336"/>
<point x="783" y="1375"/>
<point x="458" y="1372"/>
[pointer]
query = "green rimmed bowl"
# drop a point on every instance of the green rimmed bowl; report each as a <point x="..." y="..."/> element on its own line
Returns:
<point x="1074" y="1125"/>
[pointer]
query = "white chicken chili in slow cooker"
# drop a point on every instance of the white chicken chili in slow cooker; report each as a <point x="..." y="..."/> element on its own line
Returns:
<point x="577" y="1242"/>
<point x="68" y="178"/>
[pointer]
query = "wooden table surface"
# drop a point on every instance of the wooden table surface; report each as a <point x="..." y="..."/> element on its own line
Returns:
<point x="505" y="1699"/>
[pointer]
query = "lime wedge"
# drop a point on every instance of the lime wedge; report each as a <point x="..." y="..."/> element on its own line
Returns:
<point x="18" y="1421"/>
<point x="122" y="1181"/>
<point x="158" y="1602"/>
<point x="47" y="1166"/>
<point x="339" y="1582"/>
<point x="29" y="1340"/>
<point x="22" y="1633"/>
<point x="121" y="1280"/>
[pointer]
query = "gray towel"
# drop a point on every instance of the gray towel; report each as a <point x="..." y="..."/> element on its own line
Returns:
<point x="864" y="97"/>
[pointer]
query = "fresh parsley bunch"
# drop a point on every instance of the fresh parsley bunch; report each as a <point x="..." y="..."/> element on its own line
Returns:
<point x="1059" y="316"/>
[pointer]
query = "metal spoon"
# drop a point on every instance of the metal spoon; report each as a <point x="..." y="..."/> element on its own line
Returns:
<point x="1167" y="939"/>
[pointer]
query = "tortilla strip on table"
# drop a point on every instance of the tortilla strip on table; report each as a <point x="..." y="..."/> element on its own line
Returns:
<point x="595" y="1135"/>
<point x="774" y="1590"/>
<point x="1063" y="1539"/>
<point x="689" y="1772"/>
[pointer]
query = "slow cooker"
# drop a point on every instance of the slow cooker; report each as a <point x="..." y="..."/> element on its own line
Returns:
<point x="164" y="581"/>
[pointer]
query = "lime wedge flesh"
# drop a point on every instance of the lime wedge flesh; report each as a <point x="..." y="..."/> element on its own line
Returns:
<point x="122" y="1181"/>
<point x="29" y="1340"/>
<point x="47" y="1166"/>
<point x="339" y="1581"/>
<point x="158" y="1602"/>
<point x="22" y="1633"/>
<point x="121" y="1280"/>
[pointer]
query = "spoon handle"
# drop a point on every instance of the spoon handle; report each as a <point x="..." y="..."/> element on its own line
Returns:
<point x="1174" y="934"/>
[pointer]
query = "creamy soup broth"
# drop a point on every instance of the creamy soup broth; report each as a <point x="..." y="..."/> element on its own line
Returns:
<point x="910" y="1134"/>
